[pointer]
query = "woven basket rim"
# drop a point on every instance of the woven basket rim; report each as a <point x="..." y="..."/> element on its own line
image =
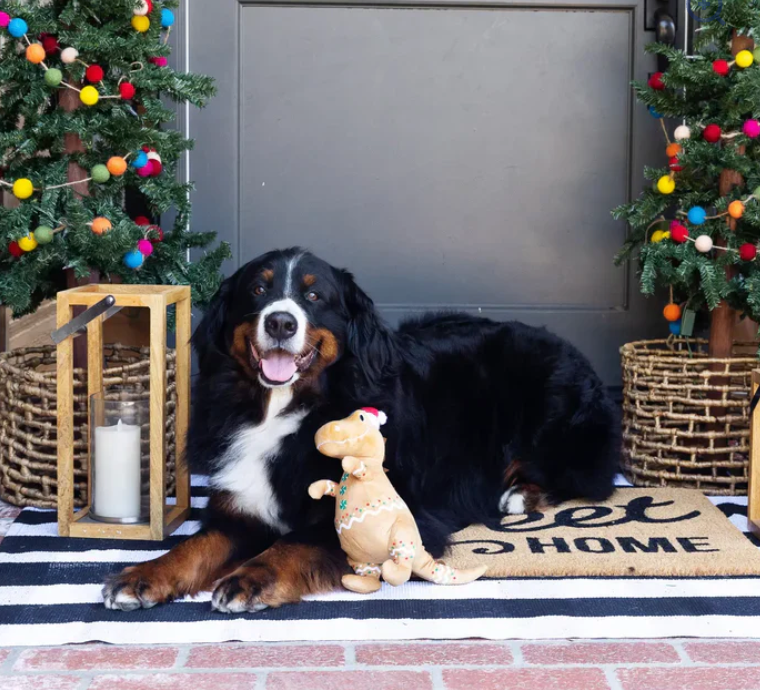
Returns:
<point x="643" y="351"/>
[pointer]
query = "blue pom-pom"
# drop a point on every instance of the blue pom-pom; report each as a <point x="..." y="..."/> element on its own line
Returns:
<point x="167" y="18"/>
<point x="653" y="112"/>
<point x="675" y="327"/>
<point x="140" y="160"/>
<point x="697" y="215"/>
<point x="17" y="27"/>
<point x="133" y="259"/>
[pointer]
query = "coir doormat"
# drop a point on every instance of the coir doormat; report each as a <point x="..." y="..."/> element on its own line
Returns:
<point x="637" y="532"/>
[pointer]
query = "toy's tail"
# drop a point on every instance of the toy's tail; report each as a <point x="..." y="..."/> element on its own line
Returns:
<point x="426" y="567"/>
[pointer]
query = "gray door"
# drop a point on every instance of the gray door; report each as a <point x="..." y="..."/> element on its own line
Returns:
<point x="452" y="156"/>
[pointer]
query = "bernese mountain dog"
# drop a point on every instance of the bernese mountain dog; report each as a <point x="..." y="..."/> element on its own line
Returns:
<point x="485" y="418"/>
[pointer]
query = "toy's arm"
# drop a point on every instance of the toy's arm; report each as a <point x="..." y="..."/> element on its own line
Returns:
<point x="354" y="466"/>
<point x="324" y="487"/>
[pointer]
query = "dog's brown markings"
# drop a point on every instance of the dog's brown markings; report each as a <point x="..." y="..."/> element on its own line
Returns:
<point x="511" y="473"/>
<point x="239" y="349"/>
<point x="309" y="280"/>
<point x="283" y="574"/>
<point x="268" y="275"/>
<point x="536" y="500"/>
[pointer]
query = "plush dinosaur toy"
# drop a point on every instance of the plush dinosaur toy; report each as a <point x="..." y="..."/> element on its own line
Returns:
<point x="376" y="529"/>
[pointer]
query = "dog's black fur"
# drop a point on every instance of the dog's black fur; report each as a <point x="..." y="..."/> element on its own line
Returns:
<point x="473" y="407"/>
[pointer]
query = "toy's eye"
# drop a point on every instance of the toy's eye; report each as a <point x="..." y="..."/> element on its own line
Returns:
<point x="312" y="296"/>
<point x="361" y="417"/>
<point x="259" y="290"/>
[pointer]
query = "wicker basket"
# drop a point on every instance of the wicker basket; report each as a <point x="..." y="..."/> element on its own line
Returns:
<point x="28" y="455"/>
<point x="686" y="416"/>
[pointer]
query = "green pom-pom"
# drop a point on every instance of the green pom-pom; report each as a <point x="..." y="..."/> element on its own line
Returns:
<point x="53" y="76"/>
<point x="100" y="174"/>
<point x="43" y="234"/>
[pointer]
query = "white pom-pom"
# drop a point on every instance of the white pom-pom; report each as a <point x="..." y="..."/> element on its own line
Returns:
<point x="142" y="8"/>
<point x="703" y="243"/>
<point x="153" y="156"/>
<point x="682" y="132"/>
<point x="382" y="417"/>
<point x="69" y="55"/>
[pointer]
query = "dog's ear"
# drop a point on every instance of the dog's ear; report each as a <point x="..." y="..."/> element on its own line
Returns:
<point x="369" y="338"/>
<point x="209" y="337"/>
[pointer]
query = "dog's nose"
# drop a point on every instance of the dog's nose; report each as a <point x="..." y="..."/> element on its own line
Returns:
<point x="281" y="325"/>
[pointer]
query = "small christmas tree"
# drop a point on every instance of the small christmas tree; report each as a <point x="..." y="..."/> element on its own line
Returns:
<point x="696" y="230"/>
<point x="83" y="128"/>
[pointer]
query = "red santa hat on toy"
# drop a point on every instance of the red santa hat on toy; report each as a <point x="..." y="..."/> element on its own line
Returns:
<point x="375" y="417"/>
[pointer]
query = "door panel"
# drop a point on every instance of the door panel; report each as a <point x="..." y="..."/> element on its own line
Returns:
<point x="453" y="157"/>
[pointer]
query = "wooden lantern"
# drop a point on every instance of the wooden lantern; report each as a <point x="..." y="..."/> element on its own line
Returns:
<point x="753" y="490"/>
<point x="163" y="518"/>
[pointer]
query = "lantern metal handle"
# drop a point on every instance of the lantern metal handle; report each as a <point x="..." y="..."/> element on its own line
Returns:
<point x="79" y="323"/>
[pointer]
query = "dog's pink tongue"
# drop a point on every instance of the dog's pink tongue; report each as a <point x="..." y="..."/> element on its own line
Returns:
<point x="278" y="367"/>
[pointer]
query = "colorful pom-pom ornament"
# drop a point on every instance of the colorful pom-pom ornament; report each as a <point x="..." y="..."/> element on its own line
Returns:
<point x="117" y="166"/>
<point x="655" y="82"/>
<point x="696" y="215"/>
<point x="35" y="53"/>
<point x="747" y="252"/>
<point x="141" y="9"/>
<point x="673" y="150"/>
<point x="133" y="259"/>
<point x="5" y="19"/>
<point x="672" y="312"/>
<point x="711" y="133"/>
<point x="142" y="220"/>
<point x="100" y="174"/>
<point x="53" y="76"/>
<point x="141" y="24"/>
<point x="675" y="327"/>
<point x="751" y="129"/>
<point x="28" y="243"/>
<point x="155" y="234"/>
<point x="146" y="170"/>
<point x="43" y="234"/>
<point x="23" y="188"/>
<point x="156" y="168"/>
<point x="127" y="90"/>
<point x="17" y="27"/>
<point x="167" y="18"/>
<point x="145" y="247"/>
<point x="69" y="56"/>
<point x="658" y="236"/>
<point x="654" y="113"/>
<point x="736" y="209"/>
<point x="89" y="95"/>
<point x="666" y="185"/>
<point x="100" y="225"/>
<point x="94" y="74"/>
<point x="159" y="61"/>
<point x="721" y="67"/>
<point x="679" y="233"/>
<point x="15" y="250"/>
<point x="703" y="243"/>
<point x="49" y="43"/>
<point x="744" y="58"/>
<point x="682" y="132"/>
<point x="674" y="164"/>
<point x="140" y="160"/>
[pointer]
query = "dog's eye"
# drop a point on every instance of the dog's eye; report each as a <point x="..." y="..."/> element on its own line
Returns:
<point x="259" y="290"/>
<point x="312" y="296"/>
<point x="361" y="417"/>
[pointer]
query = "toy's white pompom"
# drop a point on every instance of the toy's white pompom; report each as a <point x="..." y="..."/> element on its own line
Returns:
<point x="382" y="417"/>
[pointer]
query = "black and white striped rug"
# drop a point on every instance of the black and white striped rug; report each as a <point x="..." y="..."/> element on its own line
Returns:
<point x="50" y="594"/>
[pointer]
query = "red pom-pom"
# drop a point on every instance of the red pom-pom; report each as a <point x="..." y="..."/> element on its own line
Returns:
<point x="711" y="133"/>
<point x="678" y="233"/>
<point x="142" y="220"/>
<point x="721" y="67"/>
<point x="94" y="74"/>
<point x="149" y="3"/>
<point x="155" y="234"/>
<point x="747" y="252"/>
<point x="675" y="166"/>
<point x="655" y="82"/>
<point x="49" y="43"/>
<point x="156" y="168"/>
<point x="127" y="90"/>
<point x="15" y="250"/>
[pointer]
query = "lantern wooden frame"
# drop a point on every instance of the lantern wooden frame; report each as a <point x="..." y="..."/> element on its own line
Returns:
<point x="163" y="518"/>
<point x="753" y="489"/>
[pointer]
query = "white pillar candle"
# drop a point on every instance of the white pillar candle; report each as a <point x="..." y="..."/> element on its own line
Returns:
<point x="116" y="492"/>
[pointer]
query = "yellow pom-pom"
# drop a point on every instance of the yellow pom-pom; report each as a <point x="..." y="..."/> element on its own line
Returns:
<point x="23" y="188"/>
<point x="736" y="209"/>
<point x="35" y="53"/>
<point x="744" y="58"/>
<point x="101" y="225"/>
<point x="140" y="23"/>
<point x="666" y="185"/>
<point x="28" y="243"/>
<point x="658" y="236"/>
<point x="89" y="95"/>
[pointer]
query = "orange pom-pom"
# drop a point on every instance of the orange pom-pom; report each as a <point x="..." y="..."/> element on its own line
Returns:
<point x="672" y="312"/>
<point x="101" y="225"/>
<point x="117" y="166"/>
<point x="35" y="53"/>
<point x="736" y="209"/>
<point x="673" y="150"/>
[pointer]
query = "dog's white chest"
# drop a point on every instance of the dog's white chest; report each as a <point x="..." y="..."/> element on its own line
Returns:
<point x="245" y="473"/>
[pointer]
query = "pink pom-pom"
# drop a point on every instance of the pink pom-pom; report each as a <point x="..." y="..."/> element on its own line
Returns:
<point x="752" y="128"/>
<point x="5" y="19"/>
<point x="159" y="61"/>
<point x="146" y="170"/>
<point x="145" y="247"/>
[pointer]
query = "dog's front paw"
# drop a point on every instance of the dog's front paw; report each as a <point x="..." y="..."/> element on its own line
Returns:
<point x="242" y="592"/>
<point x="132" y="589"/>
